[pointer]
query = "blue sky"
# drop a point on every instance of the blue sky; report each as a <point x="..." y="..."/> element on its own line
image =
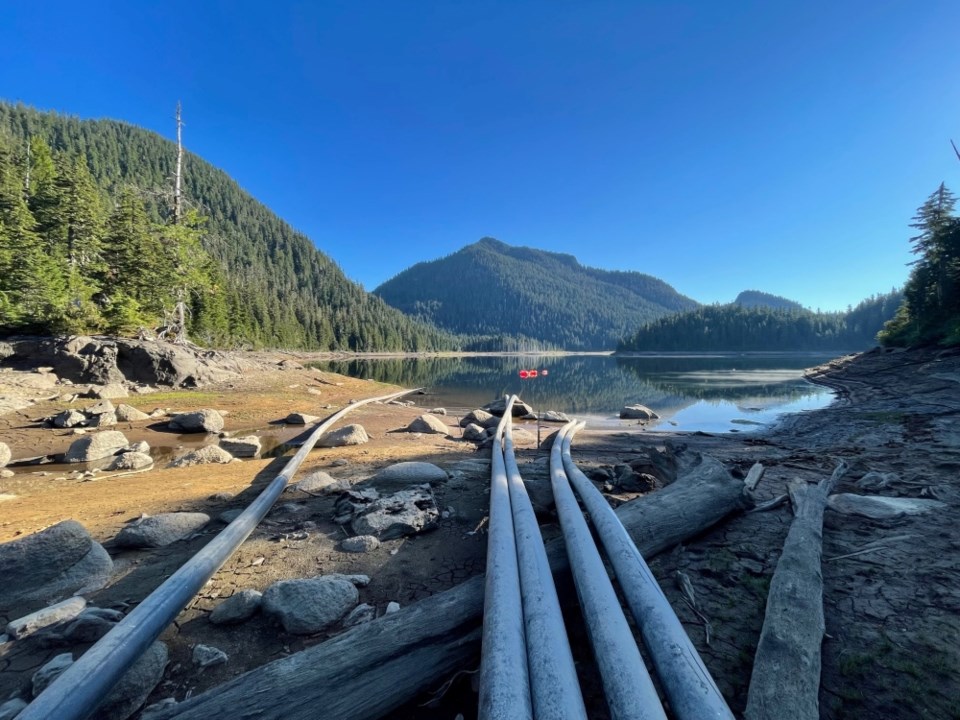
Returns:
<point x="720" y="145"/>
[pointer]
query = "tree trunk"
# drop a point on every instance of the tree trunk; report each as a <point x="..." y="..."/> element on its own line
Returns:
<point x="373" y="668"/>
<point x="786" y="669"/>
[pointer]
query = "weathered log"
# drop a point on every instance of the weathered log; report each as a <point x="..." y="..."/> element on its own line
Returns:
<point x="373" y="668"/>
<point x="786" y="668"/>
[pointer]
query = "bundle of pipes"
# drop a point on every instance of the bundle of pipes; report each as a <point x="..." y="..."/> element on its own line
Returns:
<point x="553" y="690"/>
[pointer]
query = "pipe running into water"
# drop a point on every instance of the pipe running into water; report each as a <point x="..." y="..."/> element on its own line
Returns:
<point x="81" y="688"/>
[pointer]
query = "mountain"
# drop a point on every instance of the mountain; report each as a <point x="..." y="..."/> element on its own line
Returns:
<point x="755" y="298"/>
<point x="736" y="328"/>
<point x="490" y="288"/>
<point x="267" y="284"/>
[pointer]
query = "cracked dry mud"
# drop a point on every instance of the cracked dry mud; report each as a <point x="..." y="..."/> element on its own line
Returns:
<point x="891" y="588"/>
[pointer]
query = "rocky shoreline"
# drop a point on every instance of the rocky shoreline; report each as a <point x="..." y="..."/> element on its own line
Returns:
<point x="891" y="583"/>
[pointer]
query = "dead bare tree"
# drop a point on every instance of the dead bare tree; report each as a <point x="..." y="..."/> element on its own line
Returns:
<point x="177" y="197"/>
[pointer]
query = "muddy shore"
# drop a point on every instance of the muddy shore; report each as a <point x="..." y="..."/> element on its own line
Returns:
<point x="891" y="587"/>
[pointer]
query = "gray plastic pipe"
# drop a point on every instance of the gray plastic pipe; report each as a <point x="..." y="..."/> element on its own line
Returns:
<point x="553" y="675"/>
<point x="626" y="683"/>
<point x="504" y="679"/>
<point x="83" y="686"/>
<point x="691" y="691"/>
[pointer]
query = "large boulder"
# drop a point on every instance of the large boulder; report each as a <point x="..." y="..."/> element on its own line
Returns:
<point x="318" y="481"/>
<point x="131" y="461"/>
<point x="478" y="417"/>
<point x="347" y="435"/>
<point x="497" y="407"/>
<point x="160" y="530"/>
<point x="247" y="446"/>
<point x="637" y="412"/>
<point x="308" y="606"/>
<point x="206" y="420"/>
<point x="69" y="419"/>
<point x="5" y="454"/>
<point x="100" y="408"/>
<point x="428" y="424"/>
<point x="237" y="608"/>
<point x="555" y="416"/>
<point x="128" y="413"/>
<point x="404" y="474"/>
<point x="299" y="418"/>
<point x="95" y="447"/>
<point x="49" y="566"/>
<point x="49" y="672"/>
<point x="133" y="689"/>
<point x="474" y="432"/>
<point x="403" y="513"/>
<point x="207" y="455"/>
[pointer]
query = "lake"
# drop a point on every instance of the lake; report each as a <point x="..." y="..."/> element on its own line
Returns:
<point x="714" y="393"/>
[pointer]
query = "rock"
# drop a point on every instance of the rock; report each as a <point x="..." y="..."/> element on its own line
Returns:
<point x="428" y="424"/>
<point x="358" y="580"/>
<point x="554" y="416"/>
<point x="360" y="544"/>
<point x="11" y="708"/>
<point x="298" y="418"/>
<point x="101" y="408"/>
<point x="497" y="407"/>
<point x="135" y="686"/>
<point x="207" y="455"/>
<point x="237" y="608"/>
<point x="540" y="494"/>
<point x="308" y="606"/>
<point x="49" y="566"/>
<point x="362" y="613"/>
<point x="5" y="454"/>
<point x="637" y="412"/>
<point x="87" y="628"/>
<point x="6" y="473"/>
<point x="478" y="417"/>
<point x="474" y="433"/>
<point x="247" y="446"/>
<point x="874" y="481"/>
<point x="69" y="419"/>
<point x="108" y="614"/>
<point x="109" y="391"/>
<point x="626" y="479"/>
<point x="159" y="710"/>
<point x="95" y="447"/>
<point x="228" y="516"/>
<point x="39" y="619"/>
<point x="403" y="513"/>
<point x="141" y="446"/>
<point x="392" y="607"/>
<point x="881" y="508"/>
<point x="128" y="413"/>
<point x="660" y="462"/>
<point x="205" y="656"/>
<point x="49" y="672"/>
<point x="207" y="420"/>
<point x="318" y="481"/>
<point x="103" y="420"/>
<point x="130" y="461"/>
<point x="340" y="462"/>
<point x="160" y="530"/>
<point x="347" y="435"/>
<point x="404" y="474"/>
<point x="438" y="411"/>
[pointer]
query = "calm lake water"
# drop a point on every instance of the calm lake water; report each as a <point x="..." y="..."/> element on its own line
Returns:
<point x="714" y="393"/>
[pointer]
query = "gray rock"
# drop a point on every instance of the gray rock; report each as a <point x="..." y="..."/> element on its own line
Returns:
<point x="392" y="607"/>
<point x="103" y="420"/>
<point x="69" y="419"/>
<point x="478" y="417"/>
<point x="130" y="461"/>
<point x="362" y="613"/>
<point x="228" y="516"/>
<point x="108" y="614"/>
<point x="135" y="686"/>
<point x="49" y="566"/>
<point x="438" y="411"/>
<point x="87" y="628"/>
<point x="358" y="580"/>
<point x="207" y="455"/>
<point x="205" y="656"/>
<point x="128" y="413"/>
<point x="340" y="462"/>
<point x="109" y="391"/>
<point x="141" y="446"/>
<point x="298" y="418"/>
<point x="308" y="606"/>
<point x="637" y="412"/>
<point x="554" y="416"/>
<point x="318" y="481"/>
<point x="874" y="481"/>
<point x="101" y="408"/>
<point x="497" y="407"/>
<point x="160" y="530"/>
<point x="403" y="513"/>
<point x="95" y="447"/>
<point x="360" y="544"/>
<point x="428" y="424"/>
<point x="347" y="435"/>
<point x="11" y="708"/>
<point x="45" y="617"/>
<point x="244" y="447"/>
<point x="881" y="508"/>
<point x="207" y="420"/>
<point x="5" y="454"/>
<point x="49" y="672"/>
<point x="237" y="608"/>
<point x="404" y="474"/>
<point x="474" y="433"/>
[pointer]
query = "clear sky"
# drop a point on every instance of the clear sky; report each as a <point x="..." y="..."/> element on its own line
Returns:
<point x="721" y="145"/>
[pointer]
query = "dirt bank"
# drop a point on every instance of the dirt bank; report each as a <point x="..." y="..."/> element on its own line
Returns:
<point x="892" y="588"/>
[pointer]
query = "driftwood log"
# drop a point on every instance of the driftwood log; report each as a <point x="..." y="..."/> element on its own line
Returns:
<point x="373" y="668"/>
<point x="785" y="682"/>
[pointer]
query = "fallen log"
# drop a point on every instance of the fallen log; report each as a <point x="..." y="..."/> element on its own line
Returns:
<point x="785" y="682"/>
<point x="376" y="667"/>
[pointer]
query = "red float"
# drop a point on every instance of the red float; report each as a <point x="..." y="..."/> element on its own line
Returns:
<point x="524" y="374"/>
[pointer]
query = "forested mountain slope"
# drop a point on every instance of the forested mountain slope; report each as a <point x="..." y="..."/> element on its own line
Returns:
<point x="755" y="298"/>
<point x="268" y="285"/>
<point x="491" y="288"/>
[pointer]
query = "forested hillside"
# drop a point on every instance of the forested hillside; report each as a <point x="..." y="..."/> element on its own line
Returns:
<point x="755" y="298"/>
<point x="490" y="288"/>
<point x="737" y="328"/>
<point x="88" y="244"/>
